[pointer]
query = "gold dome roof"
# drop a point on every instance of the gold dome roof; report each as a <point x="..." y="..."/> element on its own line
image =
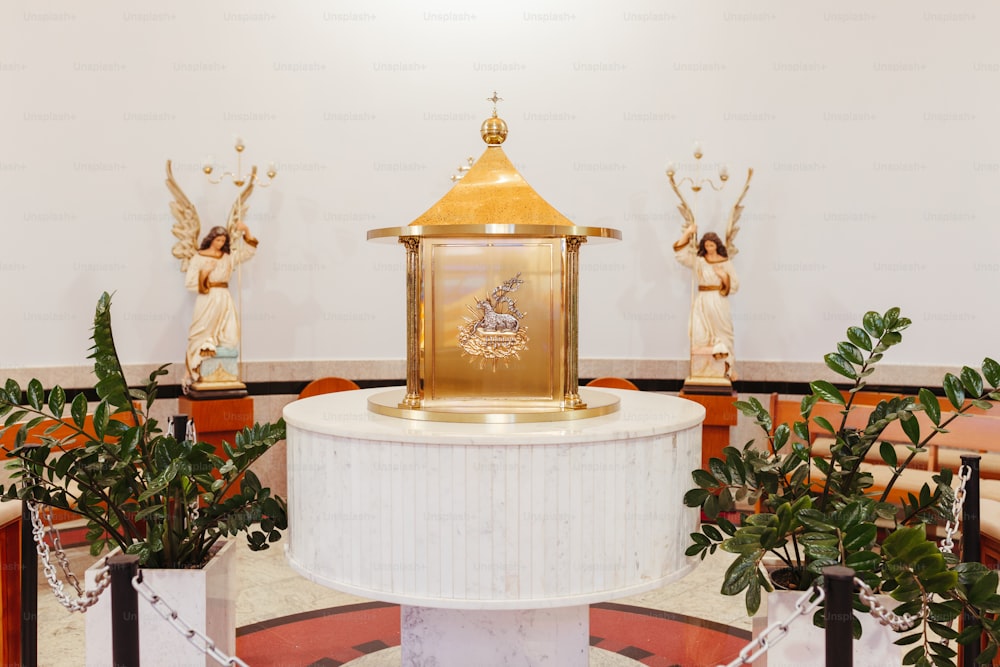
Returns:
<point x="492" y="192"/>
<point x="492" y="198"/>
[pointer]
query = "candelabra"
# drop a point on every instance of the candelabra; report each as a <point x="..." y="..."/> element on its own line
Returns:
<point x="238" y="178"/>
<point x="697" y="182"/>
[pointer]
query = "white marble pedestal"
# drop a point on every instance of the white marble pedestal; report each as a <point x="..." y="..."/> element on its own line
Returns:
<point x="493" y="537"/>
<point x="514" y="638"/>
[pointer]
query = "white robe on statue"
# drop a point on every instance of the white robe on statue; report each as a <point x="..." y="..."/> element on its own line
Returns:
<point x="214" y="323"/>
<point x="711" y="324"/>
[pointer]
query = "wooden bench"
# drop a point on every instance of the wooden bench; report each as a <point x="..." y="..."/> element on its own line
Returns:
<point x="976" y="433"/>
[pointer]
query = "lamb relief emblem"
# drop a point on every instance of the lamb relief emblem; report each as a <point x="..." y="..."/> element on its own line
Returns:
<point x="494" y="332"/>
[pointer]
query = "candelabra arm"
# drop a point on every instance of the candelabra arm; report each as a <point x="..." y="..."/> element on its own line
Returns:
<point x="732" y="227"/>
<point x="683" y="207"/>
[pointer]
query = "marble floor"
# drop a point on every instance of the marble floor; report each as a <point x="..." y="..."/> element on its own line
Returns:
<point x="269" y="589"/>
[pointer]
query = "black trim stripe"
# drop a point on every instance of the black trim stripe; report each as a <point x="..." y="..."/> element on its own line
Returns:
<point x="293" y="387"/>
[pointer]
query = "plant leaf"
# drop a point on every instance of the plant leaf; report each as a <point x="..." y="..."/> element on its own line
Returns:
<point x="781" y="435"/>
<point x="841" y="366"/>
<point x="36" y="394"/>
<point x="954" y="390"/>
<point x="860" y="337"/>
<point x="991" y="370"/>
<point x="888" y="453"/>
<point x="863" y="560"/>
<point x="100" y="419"/>
<point x="816" y="520"/>
<point x="859" y="536"/>
<point x="13" y="390"/>
<point x="78" y="410"/>
<point x="741" y="573"/>
<point x="930" y="404"/>
<point x="911" y="427"/>
<point x="850" y="352"/>
<point x="695" y="497"/>
<point x="873" y="324"/>
<point x="827" y="391"/>
<point x="57" y="401"/>
<point x="824" y="424"/>
<point x="972" y="381"/>
<point x="704" y="479"/>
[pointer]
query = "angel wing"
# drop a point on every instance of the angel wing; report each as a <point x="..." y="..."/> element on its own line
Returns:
<point x="683" y="207"/>
<point x="239" y="210"/>
<point x="187" y="226"/>
<point x="732" y="227"/>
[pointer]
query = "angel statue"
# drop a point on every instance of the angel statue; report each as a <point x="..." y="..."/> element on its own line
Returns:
<point x="214" y="335"/>
<point x="710" y="327"/>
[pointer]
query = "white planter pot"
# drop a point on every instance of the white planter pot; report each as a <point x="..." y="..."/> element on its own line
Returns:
<point x="804" y="645"/>
<point x="205" y="599"/>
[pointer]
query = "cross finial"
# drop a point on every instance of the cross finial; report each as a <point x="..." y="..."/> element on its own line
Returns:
<point x="494" y="99"/>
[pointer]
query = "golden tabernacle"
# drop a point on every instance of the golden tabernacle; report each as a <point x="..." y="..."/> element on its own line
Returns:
<point x="492" y="274"/>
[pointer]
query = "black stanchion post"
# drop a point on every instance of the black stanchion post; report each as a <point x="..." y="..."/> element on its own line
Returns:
<point x="179" y="427"/>
<point x="971" y="545"/>
<point x="29" y="591"/>
<point x="124" y="611"/>
<point x="838" y="581"/>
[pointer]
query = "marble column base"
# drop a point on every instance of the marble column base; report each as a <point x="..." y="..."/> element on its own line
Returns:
<point x="502" y="638"/>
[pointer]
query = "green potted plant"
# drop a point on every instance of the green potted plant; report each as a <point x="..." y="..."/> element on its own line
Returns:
<point x="171" y="502"/>
<point x="139" y="489"/>
<point x="808" y="509"/>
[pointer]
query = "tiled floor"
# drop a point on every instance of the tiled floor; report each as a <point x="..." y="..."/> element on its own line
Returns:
<point x="285" y="620"/>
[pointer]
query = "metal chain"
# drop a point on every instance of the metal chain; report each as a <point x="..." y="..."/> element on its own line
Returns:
<point x="951" y="526"/>
<point x="774" y="633"/>
<point x="57" y="547"/>
<point x="805" y="605"/>
<point x="189" y="434"/>
<point x="192" y="434"/>
<point x="88" y="598"/>
<point x="885" y="616"/>
<point x="199" y="640"/>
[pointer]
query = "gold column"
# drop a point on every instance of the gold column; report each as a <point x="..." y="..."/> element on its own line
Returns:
<point x="572" y="397"/>
<point x="413" y="397"/>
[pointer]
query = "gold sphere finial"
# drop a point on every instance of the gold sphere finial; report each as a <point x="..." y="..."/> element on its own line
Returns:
<point x="494" y="129"/>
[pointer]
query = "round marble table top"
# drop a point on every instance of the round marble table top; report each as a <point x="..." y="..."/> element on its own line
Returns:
<point x="642" y="414"/>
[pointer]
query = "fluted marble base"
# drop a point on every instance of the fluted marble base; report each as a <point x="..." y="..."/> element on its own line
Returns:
<point x="392" y="657"/>
<point x="500" y="535"/>
<point x="516" y="638"/>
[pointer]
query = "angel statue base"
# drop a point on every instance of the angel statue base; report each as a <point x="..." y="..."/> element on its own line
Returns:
<point x="213" y="348"/>
<point x="708" y="373"/>
<point x="220" y="376"/>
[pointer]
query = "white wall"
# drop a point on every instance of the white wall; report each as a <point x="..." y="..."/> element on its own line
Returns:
<point x="871" y="126"/>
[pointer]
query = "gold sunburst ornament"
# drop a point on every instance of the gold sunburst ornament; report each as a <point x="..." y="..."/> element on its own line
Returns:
<point x="495" y="333"/>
